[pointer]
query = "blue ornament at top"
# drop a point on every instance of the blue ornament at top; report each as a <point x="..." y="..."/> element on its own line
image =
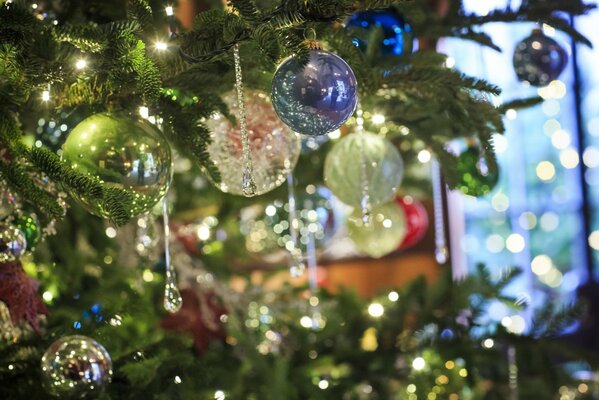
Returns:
<point x="316" y="98"/>
<point x="398" y="36"/>
<point x="539" y="59"/>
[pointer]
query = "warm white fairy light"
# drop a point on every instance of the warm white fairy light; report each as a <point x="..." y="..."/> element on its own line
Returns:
<point x="160" y="45"/>
<point x="144" y="112"/>
<point x="46" y="95"/>
<point x="378" y="119"/>
<point x="376" y="310"/>
<point x="169" y="11"/>
<point x="336" y="134"/>
<point x="424" y="156"/>
<point x="418" y="364"/>
<point x="81" y="64"/>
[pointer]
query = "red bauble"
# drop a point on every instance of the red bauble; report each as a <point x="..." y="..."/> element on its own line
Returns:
<point x="416" y="220"/>
<point x="199" y="317"/>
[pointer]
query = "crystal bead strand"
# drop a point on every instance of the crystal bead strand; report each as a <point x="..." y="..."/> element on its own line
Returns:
<point x="440" y="244"/>
<point x="248" y="184"/>
<point x="172" y="296"/>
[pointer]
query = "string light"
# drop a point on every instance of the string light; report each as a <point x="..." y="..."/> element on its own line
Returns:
<point x="81" y="64"/>
<point x="144" y="112"/>
<point x="418" y="364"/>
<point x="378" y="119"/>
<point x="376" y="310"/>
<point x="46" y="95"/>
<point x="160" y="45"/>
<point x="169" y="11"/>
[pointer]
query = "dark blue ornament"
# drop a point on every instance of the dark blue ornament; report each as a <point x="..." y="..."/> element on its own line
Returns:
<point x="539" y="59"/>
<point x="317" y="98"/>
<point x="398" y="36"/>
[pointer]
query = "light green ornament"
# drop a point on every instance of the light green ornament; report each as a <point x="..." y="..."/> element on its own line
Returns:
<point x="123" y="152"/>
<point x="363" y="163"/>
<point x="383" y="234"/>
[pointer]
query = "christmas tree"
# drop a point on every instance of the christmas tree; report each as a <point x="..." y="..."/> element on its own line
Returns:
<point x="171" y="174"/>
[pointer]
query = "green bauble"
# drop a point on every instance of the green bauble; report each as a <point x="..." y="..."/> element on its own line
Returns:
<point x="29" y="225"/>
<point x="475" y="178"/>
<point x="383" y="234"/>
<point x="361" y="158"/>
<point x="123" y="152"/>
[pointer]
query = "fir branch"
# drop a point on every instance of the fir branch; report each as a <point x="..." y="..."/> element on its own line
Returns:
<point x="84" y="37"/>
<point x="520" y="104"/>
<point x="141" y="12"/>
<point x="58" y="171"/>
<point x="147" y="74"/>
<point x="189" y="136"/>
<point x="20" y="181"/>
<point x="247" y="9"/>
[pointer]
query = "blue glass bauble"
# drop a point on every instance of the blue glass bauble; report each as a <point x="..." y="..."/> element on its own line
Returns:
<point x="539" y="59"/>
<point x="317" y="98"/>
<point x="398" y="36"/>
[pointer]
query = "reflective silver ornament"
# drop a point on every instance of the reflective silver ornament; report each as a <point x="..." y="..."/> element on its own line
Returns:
<point x="76" y="367"/>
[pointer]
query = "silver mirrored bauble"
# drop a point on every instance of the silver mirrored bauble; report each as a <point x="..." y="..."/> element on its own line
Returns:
<point x="317" y="98"/>
<point x="76" y="367"/>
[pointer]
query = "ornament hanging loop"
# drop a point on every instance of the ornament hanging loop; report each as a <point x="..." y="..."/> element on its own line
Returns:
<point x="247" y="181"/>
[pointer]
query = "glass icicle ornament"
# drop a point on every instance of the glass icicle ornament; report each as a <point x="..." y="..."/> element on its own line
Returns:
<point x="316" y="98"/>
<point x="359" y="159"/>
<point x="274" y="149"/>
<point x="539" y="59"/>
<point x="76" y="367"/>
<point x="123" y="152"/>
<point x="297" y="265"/>
<point x="441" y="251"/>
<point x="172" y="296"/>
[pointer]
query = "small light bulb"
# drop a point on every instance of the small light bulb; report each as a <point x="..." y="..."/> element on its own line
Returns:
<point x="81" y="64"/>
<point x="378" y="119"/>
<point x="46" y="95"/>
<point x="169" y="11"/>
<point x="144" y="112"/>
<point x="160" y="46"/>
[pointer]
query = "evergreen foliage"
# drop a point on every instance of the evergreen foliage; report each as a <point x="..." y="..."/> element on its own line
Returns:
<point x="426" y="105"/>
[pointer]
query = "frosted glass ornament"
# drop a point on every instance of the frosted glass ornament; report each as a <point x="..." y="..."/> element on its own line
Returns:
<point x="363" y="163"/>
